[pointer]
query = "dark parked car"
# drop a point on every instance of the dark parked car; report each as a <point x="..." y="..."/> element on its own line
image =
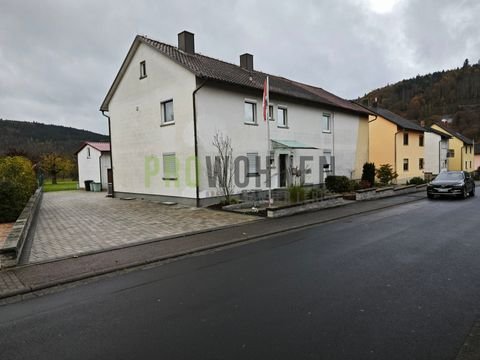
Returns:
<point x="452" y="183"/>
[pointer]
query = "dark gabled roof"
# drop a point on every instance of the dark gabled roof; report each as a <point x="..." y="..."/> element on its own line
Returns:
<point x="442" y="134"/>
<point x="213" y="69"/>
<point x="396" y="119"/>
<point x="455" y="133"/>
<point x="100" y="146"/>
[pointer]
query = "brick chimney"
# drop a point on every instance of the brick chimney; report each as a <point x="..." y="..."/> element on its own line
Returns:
<point x="186" y="42"/>
<point x="246" y="61"/>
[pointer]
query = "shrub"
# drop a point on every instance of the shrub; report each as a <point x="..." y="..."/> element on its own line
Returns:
<point x="368" y="173"/>
<point x="416" y="181"/>
<point x="17" y="184"/>
<point x="386" y="174"/>
<point x="315" y="193"/>
<point x="364" y="184"/>
<point x="296" y="193"/>
<point x="338" y="184"/>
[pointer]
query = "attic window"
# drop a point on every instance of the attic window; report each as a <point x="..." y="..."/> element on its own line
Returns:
<point x="143" y="69"/>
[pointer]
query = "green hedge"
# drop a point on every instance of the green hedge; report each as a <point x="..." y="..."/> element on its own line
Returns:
<point x="338" y="184"/>
<point x="17" y="184"/>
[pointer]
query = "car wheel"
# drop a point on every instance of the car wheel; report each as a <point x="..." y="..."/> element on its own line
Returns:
<point x="430" y="196"/>
<point x="472" y="193"/>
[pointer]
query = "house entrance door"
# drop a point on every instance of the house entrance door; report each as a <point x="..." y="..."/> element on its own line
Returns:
<point x="282" y="170"/>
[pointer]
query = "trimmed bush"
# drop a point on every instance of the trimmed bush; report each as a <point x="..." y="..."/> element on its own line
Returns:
<point x="338" y="184"/>
<point x="296" y="193"/>
<point x="386" y="174"/>
<point x="368" y="173"/>
<point x="417" y="180"/>
<point x="17" y="184"/>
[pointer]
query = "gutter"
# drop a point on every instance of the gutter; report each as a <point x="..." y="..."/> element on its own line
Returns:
<point x="111" y="153"/>
<point x="195" y="136"/>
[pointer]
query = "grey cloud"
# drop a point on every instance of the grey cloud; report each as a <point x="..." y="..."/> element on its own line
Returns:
<point x="59" y="57"/>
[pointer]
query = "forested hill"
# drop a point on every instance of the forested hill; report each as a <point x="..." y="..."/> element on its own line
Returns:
<point x="34" y="139"/>
<point x="451" y="94"/>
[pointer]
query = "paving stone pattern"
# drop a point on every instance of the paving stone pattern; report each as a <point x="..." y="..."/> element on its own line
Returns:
<point x="76" y="222"/>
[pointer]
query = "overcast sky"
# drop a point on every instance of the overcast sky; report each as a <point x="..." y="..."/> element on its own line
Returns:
<point x="58" y="58"/>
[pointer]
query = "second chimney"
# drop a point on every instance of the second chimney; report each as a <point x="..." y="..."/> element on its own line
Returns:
<point x="186" y="42"/>
<point x="246" y="61"/>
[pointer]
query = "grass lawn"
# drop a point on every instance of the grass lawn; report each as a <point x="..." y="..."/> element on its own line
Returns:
<point x="60" y="186"/>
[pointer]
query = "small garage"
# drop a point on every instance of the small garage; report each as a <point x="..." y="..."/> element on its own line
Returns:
<point x="93" y="159"/>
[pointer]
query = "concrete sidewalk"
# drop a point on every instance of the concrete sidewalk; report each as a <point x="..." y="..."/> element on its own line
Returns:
<point x="24" y="279"/>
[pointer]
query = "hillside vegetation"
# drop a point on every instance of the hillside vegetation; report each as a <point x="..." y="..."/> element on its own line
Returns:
<point x="34" y="139"/>
<point x="452" y="94"/>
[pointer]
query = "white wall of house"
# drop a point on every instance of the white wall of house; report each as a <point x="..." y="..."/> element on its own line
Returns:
<point x="139" y="139"/>
<point x="222" y="111"/>
<point x="88" y="160"/>
<point x="435" y="153"/>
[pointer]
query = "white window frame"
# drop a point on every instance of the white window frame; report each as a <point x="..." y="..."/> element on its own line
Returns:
<point x="328" y="159"/>
<point x="284" y="110"/>
<point x="163" y="112"/>
<point x="143" y="69"/>
<point x="327" y="129"/>
<point x="169" y="174"/>
<point x="271" y="115"/>
<point x="254" y="109"/>
<point x="252" y="164"/>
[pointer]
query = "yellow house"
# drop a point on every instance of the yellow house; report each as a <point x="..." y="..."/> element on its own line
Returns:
<point x="396" y="141"/>
<point x="460" y="154"/>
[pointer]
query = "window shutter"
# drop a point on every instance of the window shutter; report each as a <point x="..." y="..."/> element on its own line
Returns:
<point x="252" y="163"/>
<point x="169" y="166"/>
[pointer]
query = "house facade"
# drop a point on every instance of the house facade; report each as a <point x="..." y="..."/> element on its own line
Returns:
<point x="168" y="103"/>
<point x="460" y="149"/>
<point x="477" y="156"/>
<point x="436" y="150"/>
<point x="396" y="141"/>
<point x="93" y="160"/>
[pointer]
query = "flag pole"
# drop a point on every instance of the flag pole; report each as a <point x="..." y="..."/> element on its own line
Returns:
<point x="269" y="145"/>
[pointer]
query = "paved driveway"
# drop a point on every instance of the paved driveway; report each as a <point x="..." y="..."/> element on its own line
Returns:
<point x="76" y="222"/>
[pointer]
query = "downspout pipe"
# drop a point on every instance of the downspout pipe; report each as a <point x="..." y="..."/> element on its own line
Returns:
<point x="195" y="136"/>
<point x="111" y="151"/>
<point x="395" y="150"/>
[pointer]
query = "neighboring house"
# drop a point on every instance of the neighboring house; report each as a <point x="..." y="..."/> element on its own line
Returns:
<point x="93" y="159"/>
<point x="436" y="149"/>
<point x="167" y="103"/>
<point x="396" y="141"/>
<point x="460" y="149"/>
<point x="477" y="156"/>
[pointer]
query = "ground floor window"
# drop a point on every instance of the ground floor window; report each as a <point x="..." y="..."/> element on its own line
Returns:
<point x="169" y="166"/>
<point x="405" y="164"/>
<point x="420" y="164"/>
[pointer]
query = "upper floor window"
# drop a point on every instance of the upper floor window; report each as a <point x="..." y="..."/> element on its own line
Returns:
<point x="143" y="69"/>
<point x="326" y="123"/>
<point x="405" y="138"/>
<point x="88" y="153"/>
<point x="282" y="117"/>
<point x="420" y="140"/>
<point x="451" y="153"/>
<point x="167" y="112"/>
<point x="270" y="113"/>
<point x="250" y="112"/>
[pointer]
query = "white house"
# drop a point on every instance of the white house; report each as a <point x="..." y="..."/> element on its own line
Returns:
<point x="93" y="159"/>
<point x="436" y="149"/>
<point x="167" y="103"/>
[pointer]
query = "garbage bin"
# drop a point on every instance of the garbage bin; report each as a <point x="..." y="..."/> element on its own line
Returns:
<point x="87" y="185"/>
<point x="97" y="187"/>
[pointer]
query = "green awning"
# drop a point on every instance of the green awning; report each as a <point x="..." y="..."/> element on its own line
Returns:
<point x="290" y="144"/>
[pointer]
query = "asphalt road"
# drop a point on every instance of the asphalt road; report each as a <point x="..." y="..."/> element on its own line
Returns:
<point x="402" y="283"/>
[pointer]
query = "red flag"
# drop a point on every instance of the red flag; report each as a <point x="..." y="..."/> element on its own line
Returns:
<point x="265" y="99"/>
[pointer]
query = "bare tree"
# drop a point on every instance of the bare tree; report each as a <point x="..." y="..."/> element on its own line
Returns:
<point x="224" y="165"/>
